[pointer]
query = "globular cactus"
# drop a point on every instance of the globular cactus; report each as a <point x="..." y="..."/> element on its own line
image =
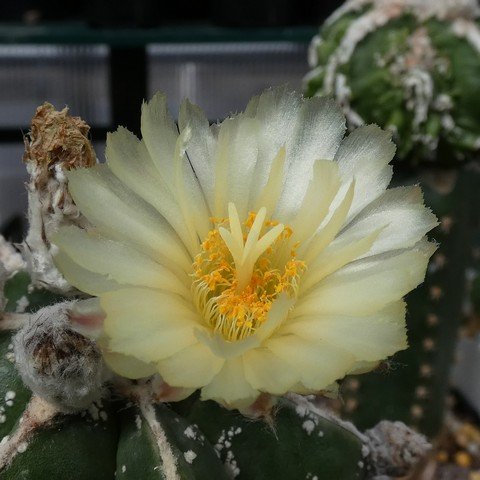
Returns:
<point x="413" y="67"/>
<point x="408" y="65"/>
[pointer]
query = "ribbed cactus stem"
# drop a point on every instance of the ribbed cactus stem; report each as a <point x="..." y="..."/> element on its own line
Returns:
<point x="168" y="466"/>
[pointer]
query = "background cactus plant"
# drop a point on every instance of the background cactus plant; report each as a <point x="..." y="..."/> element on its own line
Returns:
<point x="413" y="67"/>
<point x="55" y="431"/>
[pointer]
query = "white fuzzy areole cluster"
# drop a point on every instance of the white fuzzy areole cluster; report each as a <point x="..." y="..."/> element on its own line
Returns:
<point x="49" y="208"/>
<point x="10" y="263"/>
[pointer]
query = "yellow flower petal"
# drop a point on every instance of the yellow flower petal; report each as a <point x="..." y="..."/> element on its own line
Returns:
<point x="117" y="212"/>
<point x="398" y="214"/>
<point x="128" y="366"/>
<point x="192" y="367"/>
<point x="367" y="285"/>
<point x="370" y="338"/>
<point x="269" y="373"/>
<point x="118" y="261"/>
<point x="318" y="363"/>
<point x="147" y="324"/>
<point x="364" y="156"/>
<point x="143" y="178"/>
<point x="85" y="280"/>
<point x="229" y="387"/>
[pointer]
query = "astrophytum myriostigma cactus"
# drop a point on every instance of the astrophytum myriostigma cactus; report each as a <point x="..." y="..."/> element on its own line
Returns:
<point x="413" y="67"/>
<point x="196" y="290"/>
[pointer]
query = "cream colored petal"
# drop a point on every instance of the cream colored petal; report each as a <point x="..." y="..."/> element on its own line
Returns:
<point x="318" y="363"/>
<point x="235" y="159"/>
<point x="85" y="280"/>
<point x="192" y="367"/>
<point x="269" y="195"/>
<point x="119" y="213"/>
<point x="188" y="194"/>
<point x="363" y="367"/>
<point x="127" y="366"/>
<point x="367" y="285"/>
<point x="364" y="156"/>
<point x="166" y="148"/>
<point x="367" y="338"/>
<point x="200" y="147"/>
<point x="334" y="257"/>
<point x="268" y="373"/>
<point x="229" y="387"/>
<point x="317" y="135"/>
<point x="309" y="129"/>
<point x="277" y="111"/>
<point x="321" y="191"/>
<point x="119" y="262"/>
<point x="160" y="134"/>
<point x="129" y="160"/>
<point x="309" y="250"/>
<point x="402" y="214"/>
<point x="147" y="324"/>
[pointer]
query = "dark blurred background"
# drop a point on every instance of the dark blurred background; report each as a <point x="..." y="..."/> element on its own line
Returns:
<point x="102" y="58"/>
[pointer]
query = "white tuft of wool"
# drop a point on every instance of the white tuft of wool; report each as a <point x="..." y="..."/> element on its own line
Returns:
<point x="57" y="363"/>
<point x="394" y="449"/>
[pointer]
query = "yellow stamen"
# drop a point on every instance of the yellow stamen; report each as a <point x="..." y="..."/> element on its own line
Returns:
<point x="235" y="283"/>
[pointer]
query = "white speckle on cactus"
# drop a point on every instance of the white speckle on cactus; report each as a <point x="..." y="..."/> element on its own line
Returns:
<point x="10" y="395"/>
<point x="365" y="451"/>
<point x="124" y="468"/>
<point x="190" y="433"/>
<point x="360" y="464"/>
<point x="224" y="442"/>
<point x="3" y="418"/>
<point x="22" y="447"/>
<point x="94" y="412"/>
<point x="308" y="426"/>
<point x="22" y="304"/>
<point x="138" y="422"/>
<point x="321" y="433"/>
<point x="190" y="456"/>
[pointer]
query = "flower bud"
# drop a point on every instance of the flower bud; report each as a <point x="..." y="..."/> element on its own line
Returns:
<point x="57" y="363"/>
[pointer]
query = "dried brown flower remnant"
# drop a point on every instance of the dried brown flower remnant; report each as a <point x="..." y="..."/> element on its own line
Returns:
<point x="56" y="143"/>
<point x="57" y="138"/>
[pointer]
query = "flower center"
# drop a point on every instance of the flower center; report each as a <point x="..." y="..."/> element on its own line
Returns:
<point x="240" y="272"/>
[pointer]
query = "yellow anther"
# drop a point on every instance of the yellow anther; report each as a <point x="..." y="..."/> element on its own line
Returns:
<point x="233" y="292"/>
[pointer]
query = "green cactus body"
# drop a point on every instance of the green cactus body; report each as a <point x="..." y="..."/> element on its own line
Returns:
<point x="405" y="68"/>
<point x="141" y="439"/>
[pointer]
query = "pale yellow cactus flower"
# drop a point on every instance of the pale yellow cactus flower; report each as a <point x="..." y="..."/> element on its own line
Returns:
<point x="263" y="254"/>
